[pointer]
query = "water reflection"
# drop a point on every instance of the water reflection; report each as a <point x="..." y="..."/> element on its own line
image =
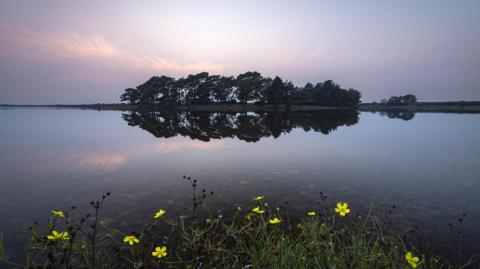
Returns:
<point x="398" y="114"/>
<point x="93" y="160"/>
<point x="246" y="126"/>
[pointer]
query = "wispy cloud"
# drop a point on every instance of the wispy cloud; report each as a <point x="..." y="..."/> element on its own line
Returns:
<point x="97" y="49"/>
<point x="73" y="46"/>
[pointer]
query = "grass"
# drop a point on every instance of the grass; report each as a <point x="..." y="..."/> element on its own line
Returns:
<point x="246" y="240"/>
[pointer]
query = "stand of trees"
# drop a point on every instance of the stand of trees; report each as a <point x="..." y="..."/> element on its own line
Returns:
<point x="405" y="100"/>
<point x="250" y="87"/>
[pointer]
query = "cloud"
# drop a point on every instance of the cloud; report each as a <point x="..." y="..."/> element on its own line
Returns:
<point x="73" y="46"/>
<point x="96" y="49"/>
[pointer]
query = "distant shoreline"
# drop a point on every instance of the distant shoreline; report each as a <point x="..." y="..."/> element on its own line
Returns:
<point x="454" y="107"/>
<point x="223" y="107"/>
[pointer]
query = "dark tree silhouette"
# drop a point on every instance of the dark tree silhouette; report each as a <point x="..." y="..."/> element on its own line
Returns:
<point x="249" y="87"/>
<point x="405" y="100"/>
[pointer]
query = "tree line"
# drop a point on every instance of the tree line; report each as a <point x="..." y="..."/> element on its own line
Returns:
<point x="249" y="87"/>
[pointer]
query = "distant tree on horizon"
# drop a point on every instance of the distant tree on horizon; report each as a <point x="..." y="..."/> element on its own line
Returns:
<point x="404" y="100"/>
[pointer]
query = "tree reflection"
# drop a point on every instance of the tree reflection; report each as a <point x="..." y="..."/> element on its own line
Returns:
<point x="398" y="114"/>
<point x="247" y="126"/>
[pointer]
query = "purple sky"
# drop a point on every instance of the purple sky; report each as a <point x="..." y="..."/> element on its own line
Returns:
<point x="89" y="51"/>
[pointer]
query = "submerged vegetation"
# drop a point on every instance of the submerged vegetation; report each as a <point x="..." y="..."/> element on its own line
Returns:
<point x="250" y="87"/>
<point x="257" y="236"/>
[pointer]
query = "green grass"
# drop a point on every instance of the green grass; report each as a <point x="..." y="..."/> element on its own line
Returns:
<point x="246" y="240"/>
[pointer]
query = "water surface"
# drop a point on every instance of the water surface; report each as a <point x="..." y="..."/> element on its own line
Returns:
<point x="427" y="164"/>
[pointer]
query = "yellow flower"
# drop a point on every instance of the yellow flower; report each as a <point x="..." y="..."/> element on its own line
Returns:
<point x="130" y="239"/>
<point x="258" y="198"/>
<point x="58" y="236"/>
<point x="342" y="209"/>
<point x="274" y="221"/>
<point x="60" y="214"/>
<point x="258" y="210"/>
<point x="312" y="213"/>
<point x="412" y="260"/>
<point x="160" y="252"/>
<point x="159" y="213"/>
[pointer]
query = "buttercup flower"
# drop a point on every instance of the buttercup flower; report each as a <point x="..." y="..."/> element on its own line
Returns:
<point x="258" y="210"/>
<point x="130" y="239"/>
<point x="258" y="198"/>
<point x="412" y="260"/>
<point x="159" y="213"/>
<point x="58" y="236"/>
<point x="312" y="213"/>
<point x="160" y="252"/>
<point x="60" y="214"/>
<point x="342" y="209"/>
<point x="274" y="221"/>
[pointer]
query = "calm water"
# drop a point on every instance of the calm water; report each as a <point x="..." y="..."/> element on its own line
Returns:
<point x="427" y="164"/>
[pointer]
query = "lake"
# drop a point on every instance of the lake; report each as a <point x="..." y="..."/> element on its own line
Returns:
<point x="426" y="164"/>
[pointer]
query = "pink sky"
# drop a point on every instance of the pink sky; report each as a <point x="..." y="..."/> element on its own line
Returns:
<point x="89" y="51"/>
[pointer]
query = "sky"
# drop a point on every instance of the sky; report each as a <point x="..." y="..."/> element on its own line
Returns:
<point x="70" y="52"/>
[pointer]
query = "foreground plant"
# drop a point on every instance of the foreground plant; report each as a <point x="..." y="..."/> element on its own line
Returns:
<point x="131" y="239"/>
<point x="342" y="209"/>
<point x="58" y="236"/>
<point x="262" y="238"/>
<point x="160" y="252"/>
<point x="412" y="260"/>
